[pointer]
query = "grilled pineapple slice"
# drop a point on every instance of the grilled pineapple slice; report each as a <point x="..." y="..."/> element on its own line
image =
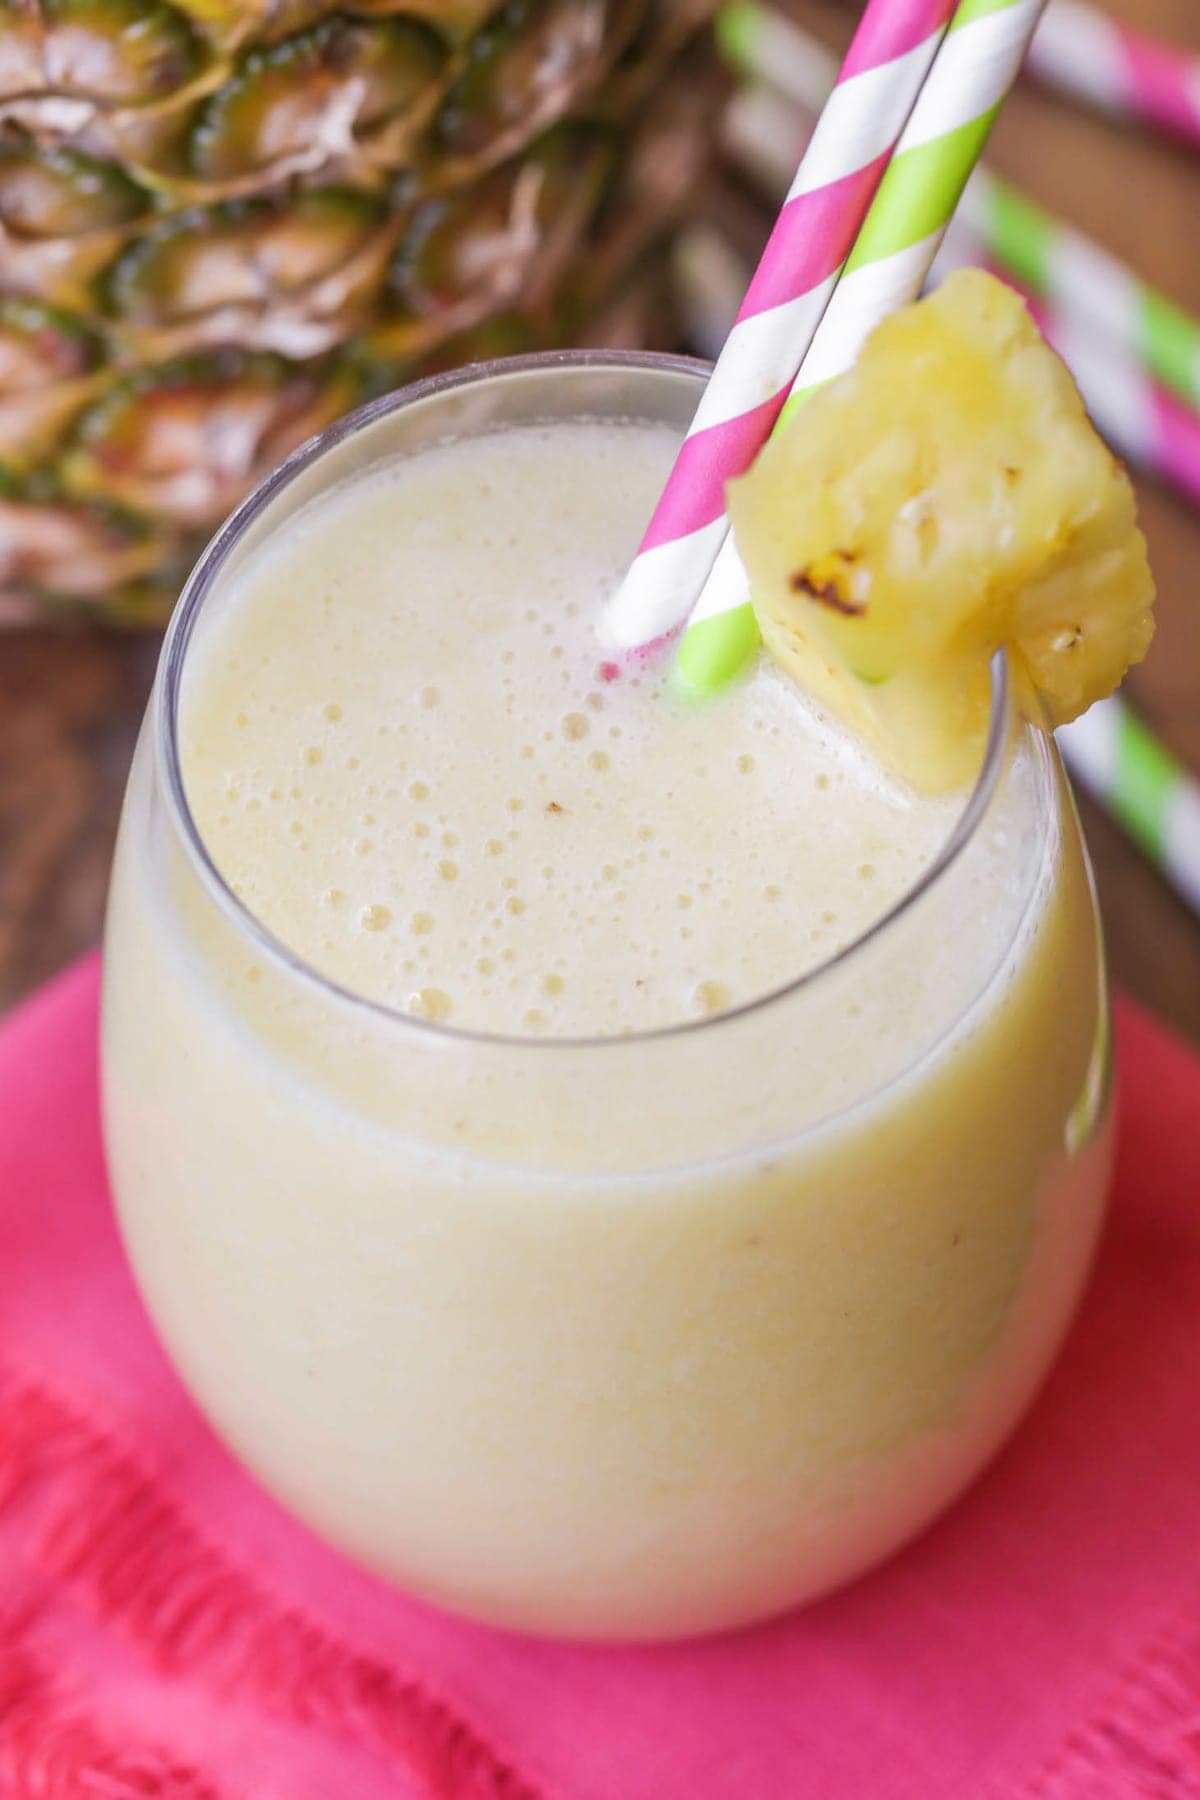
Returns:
<point x="944" y="498"/>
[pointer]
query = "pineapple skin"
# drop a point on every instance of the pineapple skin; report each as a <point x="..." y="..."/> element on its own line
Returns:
<point x="225" y="222"/>
<point x="946" y="497"/>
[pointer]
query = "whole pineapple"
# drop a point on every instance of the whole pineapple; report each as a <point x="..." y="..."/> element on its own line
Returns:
<point x="224" y="222"/>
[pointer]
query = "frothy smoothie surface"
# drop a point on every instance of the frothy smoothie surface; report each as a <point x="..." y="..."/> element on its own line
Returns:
<point x="401" y="751"/>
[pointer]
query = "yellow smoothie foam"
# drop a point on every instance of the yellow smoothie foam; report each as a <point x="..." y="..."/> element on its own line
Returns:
<point x="403" y="749"/>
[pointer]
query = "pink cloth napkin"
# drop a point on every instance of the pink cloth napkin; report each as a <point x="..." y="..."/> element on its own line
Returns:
<point x="165" y="1630"/>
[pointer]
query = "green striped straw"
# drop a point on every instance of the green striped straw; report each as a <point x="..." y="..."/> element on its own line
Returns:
<point x="1046" y="255"/>
<point x="973" y="70"/>
<point x="1133" y="776"/>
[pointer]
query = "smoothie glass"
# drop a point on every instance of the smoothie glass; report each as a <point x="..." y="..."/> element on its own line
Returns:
<point x="614" y="1338"/>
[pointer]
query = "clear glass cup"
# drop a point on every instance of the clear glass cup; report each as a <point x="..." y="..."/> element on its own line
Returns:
<point x="615" y="1338"/>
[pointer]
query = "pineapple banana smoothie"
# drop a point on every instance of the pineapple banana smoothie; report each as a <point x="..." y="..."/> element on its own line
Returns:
<point x="617" y="1168"/>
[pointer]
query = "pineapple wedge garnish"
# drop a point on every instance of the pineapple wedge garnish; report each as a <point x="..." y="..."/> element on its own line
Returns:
<point x="945" y="497"/>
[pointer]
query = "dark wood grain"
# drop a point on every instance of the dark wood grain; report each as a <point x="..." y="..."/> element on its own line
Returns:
<point x="70" y="703"/>
<point x="69" y="710"/>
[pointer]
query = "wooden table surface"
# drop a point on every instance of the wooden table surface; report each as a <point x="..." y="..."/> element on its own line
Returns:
<point x="70" y="703"/>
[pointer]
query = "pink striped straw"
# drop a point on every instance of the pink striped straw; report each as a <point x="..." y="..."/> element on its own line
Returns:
<point x="1080" y="50"/>
<point x="876" y="88"/>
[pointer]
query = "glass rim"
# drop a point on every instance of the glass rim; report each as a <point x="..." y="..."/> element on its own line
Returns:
<point x="204" y="576"/>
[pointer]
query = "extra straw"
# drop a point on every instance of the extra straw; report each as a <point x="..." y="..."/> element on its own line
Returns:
<point x="1048" y="257"/>
<point x="938" y="148"/>
<point x="829" y="197"/>
<point x="1123" y="72"/>
<point x="1134" y="777"/>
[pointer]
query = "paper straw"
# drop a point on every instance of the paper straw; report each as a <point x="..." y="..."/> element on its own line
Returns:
<point x="1053" y="260"/>
<point x="1134" y="777"/>
<point x="755" y="38"/>
<point x="974" y="68"/>
<point x="1082" y="52"/>
<point x="828" y="199"/>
